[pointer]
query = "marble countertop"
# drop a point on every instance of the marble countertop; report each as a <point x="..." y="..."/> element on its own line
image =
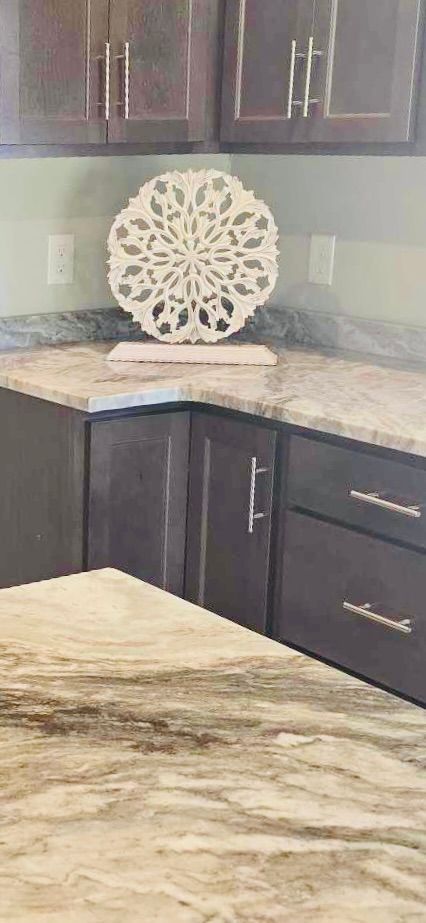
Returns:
<point x="383" y="404"/>
<point x="159" y="764"/>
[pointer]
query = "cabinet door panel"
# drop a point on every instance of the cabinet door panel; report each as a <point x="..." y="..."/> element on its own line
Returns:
<point x="52" y="73"/>
<point x="166" y="80"/>
<point x="228" y="565"/>
<point x="366" y="78"/>
<point x="138" y="494"/>
<point x="258" y="69"/>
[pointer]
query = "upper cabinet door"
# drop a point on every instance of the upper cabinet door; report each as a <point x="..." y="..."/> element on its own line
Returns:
<point x="52" y="75"/>
<point x="365" y="70"/>
<point x="158" y="70"/>
<point x="264" y="74"/>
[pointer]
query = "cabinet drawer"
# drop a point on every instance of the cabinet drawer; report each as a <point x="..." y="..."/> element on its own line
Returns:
<point x="330" y="573"/>
<point x="383" y="496"/>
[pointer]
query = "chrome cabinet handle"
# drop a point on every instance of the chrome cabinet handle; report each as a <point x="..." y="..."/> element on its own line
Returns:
<point x="126" y="80"/>
<point x="125" y="57"/>
<point x="107" y="79"/>
<point x="413" y="511"/>
<point x="308" y="77"/>
<point x="291" y="81"/>
<point x="403" y="625"/>
<point x="252" y="515"/>
<point x="310" y="56"/>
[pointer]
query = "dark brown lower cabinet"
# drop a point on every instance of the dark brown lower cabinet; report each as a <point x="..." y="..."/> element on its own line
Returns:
<point x="229" y="521"/>
<point x="138" y="497"/>
<point x="184" y="501"/>
<point x="355" y="600"/>
<point x="42" y="455"/>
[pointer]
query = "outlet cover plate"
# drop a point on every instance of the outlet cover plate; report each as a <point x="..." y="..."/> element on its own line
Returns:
<point x="321" y="259"/>
<point x="60" y="268"/>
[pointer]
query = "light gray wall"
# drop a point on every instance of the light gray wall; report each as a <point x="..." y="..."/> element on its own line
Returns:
<point x="377" y="208"/>
<point x="68" y="195"/>
<point x="375" y="205"/>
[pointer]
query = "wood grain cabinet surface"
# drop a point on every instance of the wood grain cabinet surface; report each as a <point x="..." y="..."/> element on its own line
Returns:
<point x="52" y="71"/>
<point x="335" y="581"/>
<point x="361" y="489"/>
<point x="159" y="63"/>
<point x="229" y="519"/>
<point x="138" y="496"/>
<point x="330" y="71"/>
<point x="97" y="71"/>
<point x="42" y="470"/>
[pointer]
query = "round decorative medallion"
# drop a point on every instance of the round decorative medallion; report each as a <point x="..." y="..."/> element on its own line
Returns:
<point x="192" y="256"/>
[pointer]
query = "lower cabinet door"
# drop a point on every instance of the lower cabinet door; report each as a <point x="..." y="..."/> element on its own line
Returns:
<point x="355" y="600"/>
<point x="138" y="497"/>
<point x="229" y="523"/>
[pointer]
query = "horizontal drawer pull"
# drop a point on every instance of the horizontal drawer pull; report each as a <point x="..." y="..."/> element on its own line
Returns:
<point x="397" y="623"/>
<point x="375" y="499"/>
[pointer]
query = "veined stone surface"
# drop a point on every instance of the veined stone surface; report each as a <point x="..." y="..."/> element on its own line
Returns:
<point x="158" y="763"/>
<point x="293" y="327"/>
<point x="379" y="403"/>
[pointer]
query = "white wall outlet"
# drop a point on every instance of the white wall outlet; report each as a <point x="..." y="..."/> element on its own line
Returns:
<point x="60" y="264"/>
<point x="321" y="259"/>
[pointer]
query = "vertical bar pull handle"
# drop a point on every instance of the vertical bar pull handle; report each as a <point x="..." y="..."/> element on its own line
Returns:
<point x="252" y="494"/>
<point x="107" y="79"/>
<point x="252" y="501"/>
<point x="308" y="77"/>
<point x="291" y="80"/>
<point x="127" y="80"/>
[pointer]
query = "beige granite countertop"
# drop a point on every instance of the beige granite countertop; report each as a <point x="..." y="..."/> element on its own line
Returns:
<point x="382" y="404"/>
<point x="161" y="765"/>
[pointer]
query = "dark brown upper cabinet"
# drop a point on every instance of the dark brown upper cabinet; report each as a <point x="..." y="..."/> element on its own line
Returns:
<point x="365" y="74"/>
<point x="52" y="71"/>
<point x="229" y="518"/>
<point x="158" y="70"/>
<point x="263" y="70"/>
<point x="92" y="71"/>
<point x="333" y="71"/>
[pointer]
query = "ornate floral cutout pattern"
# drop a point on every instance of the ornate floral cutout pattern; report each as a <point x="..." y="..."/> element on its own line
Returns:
<point x="192" y="256"/>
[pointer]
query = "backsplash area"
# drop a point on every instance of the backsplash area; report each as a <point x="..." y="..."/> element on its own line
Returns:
<point x="376" y="208"/>
<point x="70" y="195"/>
<point x="376" y="303"/>
<point x="377" y="300"/>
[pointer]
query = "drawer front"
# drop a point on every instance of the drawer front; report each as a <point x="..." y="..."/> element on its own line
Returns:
<point x="330" y="574"/>
<point x="383" y="496"/>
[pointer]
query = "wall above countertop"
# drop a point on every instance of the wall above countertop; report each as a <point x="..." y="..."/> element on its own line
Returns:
<point x="372" y="204"/>
<point x="80" y="196"/>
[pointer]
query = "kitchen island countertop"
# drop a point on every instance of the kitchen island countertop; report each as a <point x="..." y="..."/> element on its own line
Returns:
<point x="159" y="764"/>
<point x="379" y="403"/>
